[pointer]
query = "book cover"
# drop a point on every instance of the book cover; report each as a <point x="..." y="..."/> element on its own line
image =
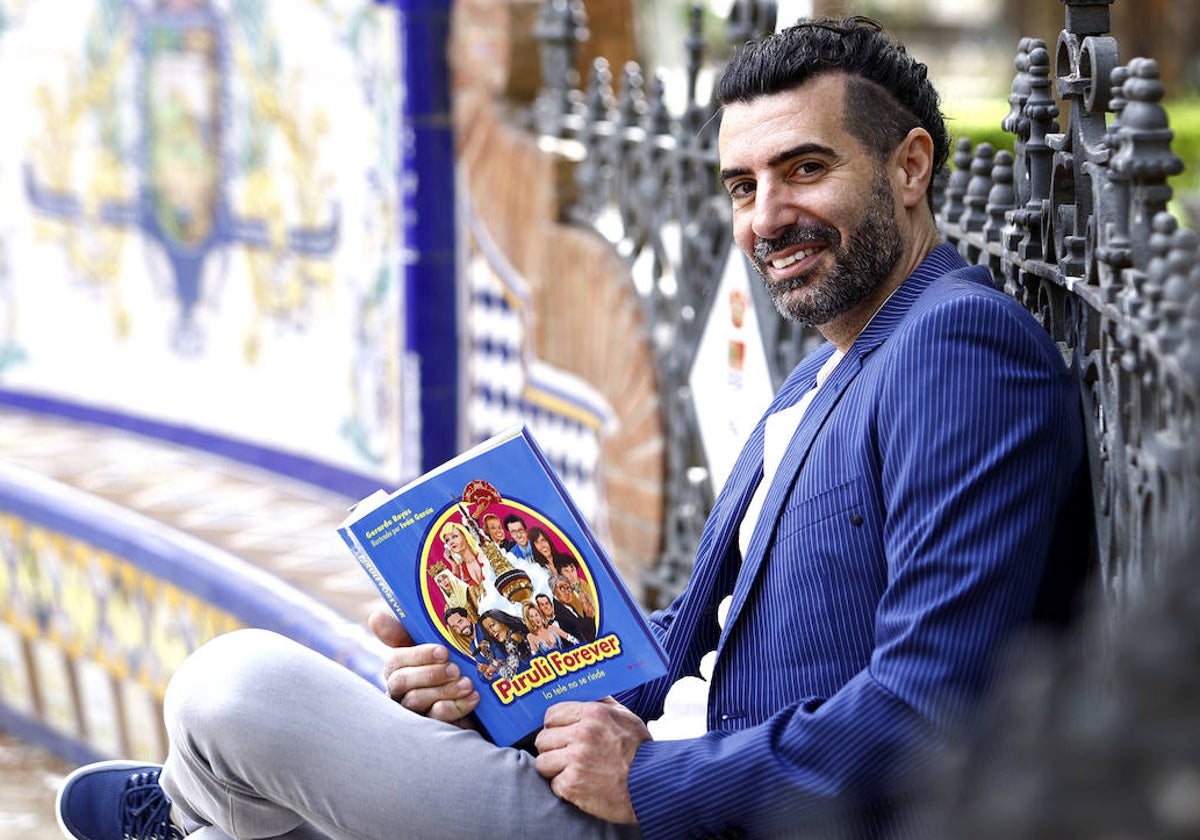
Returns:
<point x="488" y="555"/>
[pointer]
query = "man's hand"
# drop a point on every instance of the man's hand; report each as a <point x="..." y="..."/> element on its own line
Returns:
<point x="586" y="750"/>
<point x="422" y="678"/>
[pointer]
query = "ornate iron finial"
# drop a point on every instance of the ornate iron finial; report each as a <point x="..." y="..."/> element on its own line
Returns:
<point x="599" y="97"/>
<point x="631" y="98"/>
<point x="591" y="175"/>
<point x="1002" y="196"/>
<point x="1041" y="112"/>
<point x="1183" y="290"/>
<point x="1142" y="156"/>
<point x="750" y="20"/>
<point x="1015" y="121"/>
<point x="956" y="184"/>
<point x="1180" y="292"/>
<point x="978" y="188"/>
<point x="1114" y="249"/>
<point x="561" y="26"/>
<point x="658" y="118"/>
<point x="695" y="45"/>
<point x="1157" y="270"/>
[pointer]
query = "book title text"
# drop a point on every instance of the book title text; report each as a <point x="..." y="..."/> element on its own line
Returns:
<point x="556" y="664"/>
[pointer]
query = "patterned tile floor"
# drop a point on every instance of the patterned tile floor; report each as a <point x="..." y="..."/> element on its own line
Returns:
<point x="283" y="526"/>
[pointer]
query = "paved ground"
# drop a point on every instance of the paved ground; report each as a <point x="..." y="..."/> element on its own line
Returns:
<point x="285" y="527"/>
<point x="28" y="779"/>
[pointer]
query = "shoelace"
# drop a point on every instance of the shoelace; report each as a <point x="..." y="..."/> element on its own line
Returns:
<point x="147" y="810"/>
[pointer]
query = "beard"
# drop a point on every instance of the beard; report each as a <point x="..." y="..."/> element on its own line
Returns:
<point x="861" y="264"/>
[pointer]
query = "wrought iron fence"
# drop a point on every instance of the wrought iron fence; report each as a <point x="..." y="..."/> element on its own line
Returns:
<point x="1074" y="225"/>
<point x="1072" y="222"/>
<point x="1101" y="738"/>
<point x="647" y="180"/>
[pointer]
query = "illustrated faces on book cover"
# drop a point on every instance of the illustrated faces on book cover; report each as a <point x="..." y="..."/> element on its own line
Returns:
<point x="454" y="554"/>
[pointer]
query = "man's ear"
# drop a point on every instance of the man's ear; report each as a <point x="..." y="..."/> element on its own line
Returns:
<point x="914" y="166"/>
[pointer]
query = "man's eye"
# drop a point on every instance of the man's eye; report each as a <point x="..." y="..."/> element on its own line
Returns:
<point x="741" y="189"/>
<point x="808" y="168"/>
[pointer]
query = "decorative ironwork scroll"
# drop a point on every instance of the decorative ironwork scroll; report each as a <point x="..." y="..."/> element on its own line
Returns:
<point x="647" y="181"/>
<point x="1073" y="223"/>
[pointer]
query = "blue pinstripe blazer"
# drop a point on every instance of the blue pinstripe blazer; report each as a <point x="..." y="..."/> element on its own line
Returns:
<point x="929" y="482"/>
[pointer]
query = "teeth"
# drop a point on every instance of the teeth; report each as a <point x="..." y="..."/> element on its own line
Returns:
<point x="799" y="255"/>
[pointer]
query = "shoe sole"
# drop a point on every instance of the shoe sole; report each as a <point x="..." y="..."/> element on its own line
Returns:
<point x="115" y="764"/>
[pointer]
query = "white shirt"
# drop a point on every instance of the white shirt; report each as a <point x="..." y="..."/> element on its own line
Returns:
<point x="685" y="709"/>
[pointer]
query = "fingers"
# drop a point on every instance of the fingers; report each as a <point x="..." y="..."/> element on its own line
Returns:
<point x="571" y="730"/>
<point x="585" y="751"/>
<point x="388" y="629"/>
<point x="571" y="712"/>
<point x="565" y="725"/>
<point x="422" y="679"/>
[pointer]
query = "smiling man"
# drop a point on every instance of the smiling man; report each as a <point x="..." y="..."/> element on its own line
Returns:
<point x="913" y="497"/>
<point x="833" y="220"/>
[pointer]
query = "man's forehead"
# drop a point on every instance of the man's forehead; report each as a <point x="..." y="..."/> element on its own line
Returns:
<point x="815" y="106"/>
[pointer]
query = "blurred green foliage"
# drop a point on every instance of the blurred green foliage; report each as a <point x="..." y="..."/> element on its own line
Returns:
<point x="980" y="121"/>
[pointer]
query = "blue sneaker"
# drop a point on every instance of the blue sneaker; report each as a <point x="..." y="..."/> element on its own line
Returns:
<point x="115" y="800"/>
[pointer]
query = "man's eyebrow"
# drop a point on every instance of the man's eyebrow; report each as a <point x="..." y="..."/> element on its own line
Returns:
<point x="782" y="157"/>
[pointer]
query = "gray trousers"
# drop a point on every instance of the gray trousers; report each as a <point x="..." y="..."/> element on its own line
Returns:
<point x="269" y="739"/>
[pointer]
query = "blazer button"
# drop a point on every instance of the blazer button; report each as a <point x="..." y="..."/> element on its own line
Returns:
<point x="856" y="520"/>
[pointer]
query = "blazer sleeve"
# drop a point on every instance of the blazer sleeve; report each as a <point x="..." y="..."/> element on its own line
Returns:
<point x="978" y="441"/>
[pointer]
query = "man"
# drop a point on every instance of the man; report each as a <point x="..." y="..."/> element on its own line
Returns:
<point x="883" y="534"/>
<point x="568" y="613"/>
<point x="582" y="597"/>
<point x="495" y="529"/>
<point x="462" y="629"/>
<point x="545" y="606"/>
<point x="519" y="532"/>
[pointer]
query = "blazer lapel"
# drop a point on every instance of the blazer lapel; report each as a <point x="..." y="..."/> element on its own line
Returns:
<point x="793" y="459"/>
<point x="942" y="260"/>
<point x="718" y="558"/>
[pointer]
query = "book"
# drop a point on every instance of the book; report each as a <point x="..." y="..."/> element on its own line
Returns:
<point x="488" y="555"/>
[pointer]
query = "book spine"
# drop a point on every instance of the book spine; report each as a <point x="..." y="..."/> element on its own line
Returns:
<point x="364" y="560"/>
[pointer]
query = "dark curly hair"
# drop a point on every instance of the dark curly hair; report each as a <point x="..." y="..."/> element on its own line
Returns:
<point x="889" y="92"/>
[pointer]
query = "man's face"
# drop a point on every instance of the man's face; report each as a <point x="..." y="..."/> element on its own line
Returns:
<point x="495" y="529"/>
<point x="562" y="591"/>
<point x="518" y="533"/>
<point x="460" y="624"/>
<point x="546" y="606"/>
<point x="812" y="209"/>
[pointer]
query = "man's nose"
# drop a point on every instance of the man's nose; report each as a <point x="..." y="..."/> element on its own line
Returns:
<point x="774" y="210"/>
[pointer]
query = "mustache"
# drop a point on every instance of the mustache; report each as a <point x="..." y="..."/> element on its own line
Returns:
<point x="797" y="234"/>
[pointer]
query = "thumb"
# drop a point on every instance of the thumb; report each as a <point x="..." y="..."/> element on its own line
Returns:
<point x="388" y="629"/>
